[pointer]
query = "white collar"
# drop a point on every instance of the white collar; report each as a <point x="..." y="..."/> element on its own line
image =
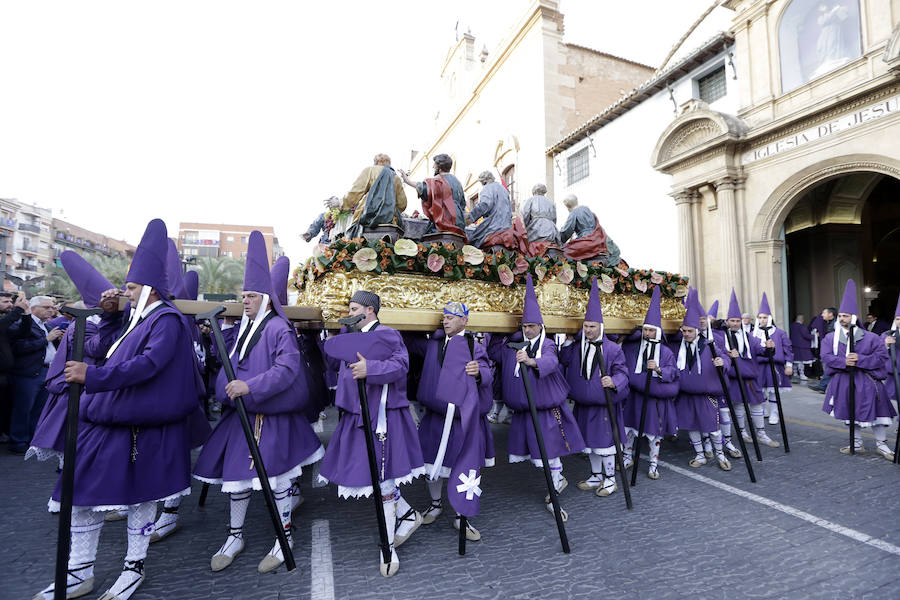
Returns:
<point x="150" y="309"/>
<point x="368" y="326"/>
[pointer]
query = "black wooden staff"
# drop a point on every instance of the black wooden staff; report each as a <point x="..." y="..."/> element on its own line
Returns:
<point x="463" y="523"/>
<point x="67" y="488"/>
<point x="749" y="419"/>
<point x="352" y="323"/>
<point x="784" y="436"/>
<point x="557" y="511"/>
<point x="640" y="436"/>
<point x="620" y="463"/>
<point x="893" y="353"/>
<point x="851" y="370"/>
<point x="721" y="372"/>
<point x="213" y="318"/>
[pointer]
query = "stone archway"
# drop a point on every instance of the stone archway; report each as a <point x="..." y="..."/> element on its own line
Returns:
<point x="827" y="220"/>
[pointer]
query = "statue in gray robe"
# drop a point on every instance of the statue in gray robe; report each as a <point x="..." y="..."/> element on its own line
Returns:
<point x="539" y="215"/>
<point x="493" y="208"/>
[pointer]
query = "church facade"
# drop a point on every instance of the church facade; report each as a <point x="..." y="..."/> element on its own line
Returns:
<point x="799" y="188"/>
<point x="503" y="106"/>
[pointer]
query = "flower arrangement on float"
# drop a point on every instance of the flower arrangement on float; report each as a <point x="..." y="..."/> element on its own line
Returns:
<point x="507" y="267"/>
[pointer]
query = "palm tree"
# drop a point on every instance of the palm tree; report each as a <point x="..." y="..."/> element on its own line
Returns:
<point x="60" y="285"/>
<point x="113" y="267"/>
<point x="219" y="275"/>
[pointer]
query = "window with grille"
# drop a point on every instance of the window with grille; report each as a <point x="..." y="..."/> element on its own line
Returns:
<point x="577" y="166"/>
<point x="712" y="87"/>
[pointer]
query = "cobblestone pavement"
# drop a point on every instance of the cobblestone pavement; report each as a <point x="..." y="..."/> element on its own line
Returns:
<point x="816" y="525"/>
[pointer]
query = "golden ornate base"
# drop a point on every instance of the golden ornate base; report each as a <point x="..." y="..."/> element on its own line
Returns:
<point x="416" y="302"/>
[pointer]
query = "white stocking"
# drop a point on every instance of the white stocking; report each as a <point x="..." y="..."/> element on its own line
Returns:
<point x="654" y="441"/>
<point x="283" y="504"/>
<point x="880" y="432"/>
<point x="169" y="514"/>
<point x="85" y="531"/>
<point x="629" y="445"/>
<point x="596" y="468"/>
<point x="741" y="416"/>
<point x="725" y="425"/>
<point x="556" y="471"/>
<point x="140" y="526"/>
<point x="435" y="488"/>
<point x="696" y="442"/>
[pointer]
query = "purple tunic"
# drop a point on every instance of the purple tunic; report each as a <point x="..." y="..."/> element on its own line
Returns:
<point x="50" y="434"/>
<point x="660" y="418"/>
<point x="697" y="406"/>
<point x="801" y="341"/>
<point x="749" y="373"/>
<point x="561" y="434"/>
<point x="590" y="409"/>
<point x="872" y="405"/>
<point x="431" y="426"/>
<point x="133" y="443"/>
<point x="891" y="367"/>
<point x="784" y="353"/>
<point x="272" y="370"/>
<point x="399" y="455"/>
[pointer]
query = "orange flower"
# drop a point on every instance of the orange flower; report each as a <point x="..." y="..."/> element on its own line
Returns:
<point x="469" y="272"/>
<point x="486" y="269"/>
<point x="410" y="264"/>
<point x="384" y="263"/>
<point x="448" y="269"/>
<point x="387" y="251"/>
<point x="460" y="260"/>
<point x="328" y="253"/>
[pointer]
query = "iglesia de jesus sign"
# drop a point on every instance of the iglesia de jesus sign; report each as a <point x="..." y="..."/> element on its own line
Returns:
<point x="870" y="113"/>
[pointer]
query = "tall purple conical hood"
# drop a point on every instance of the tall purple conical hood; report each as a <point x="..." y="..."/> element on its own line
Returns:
<point x="89" y="281"/>
<point x="173" y="271"/>
<point x="256" y="271"/>
<point x="764" y="306"/>
<point x="192" y="284"/>
<point x="684" y="301"/>
<point x="734" y="309"/>
<point x="848" y="303"/>
<point x="654" y="312"/>
<point x="148" y="267"/>
<point x="531" y="312"/>
<point x="279" y="275"/>
<point x="594" y="311"/>
<point x="694" y="311"/>
<point x="714" y="310"/>
<point x="897" y="310"/>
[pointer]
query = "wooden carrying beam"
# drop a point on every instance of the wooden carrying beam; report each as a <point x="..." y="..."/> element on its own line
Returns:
<point x="309" y="317"/>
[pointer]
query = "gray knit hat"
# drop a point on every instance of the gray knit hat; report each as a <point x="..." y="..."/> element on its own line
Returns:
<point x="367" y="299"/>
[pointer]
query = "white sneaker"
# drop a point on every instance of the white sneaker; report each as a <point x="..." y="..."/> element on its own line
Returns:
<point x="746" y="436"/>
<point x="773" y="418"/>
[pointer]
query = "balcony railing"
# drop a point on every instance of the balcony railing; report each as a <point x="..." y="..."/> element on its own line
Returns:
<point x="198" y="242"/>
<point x="7" y="223"/>
<point x="29" y="227"/>
<point x="78" y="242"/>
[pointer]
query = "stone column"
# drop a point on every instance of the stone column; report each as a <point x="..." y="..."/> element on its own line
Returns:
<point x="730" y="234"/>
<point x="687" y="262"/>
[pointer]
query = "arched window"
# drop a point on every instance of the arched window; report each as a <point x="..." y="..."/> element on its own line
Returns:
<point x="509" y="178"/>
<point x="816" y="37"/>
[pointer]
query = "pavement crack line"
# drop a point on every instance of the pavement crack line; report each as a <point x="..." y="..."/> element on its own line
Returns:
<point x="853" y="534"/>
<point x="321" y="572"/>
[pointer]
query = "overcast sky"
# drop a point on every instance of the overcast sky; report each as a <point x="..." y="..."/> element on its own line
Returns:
<point x="113" y="113"/>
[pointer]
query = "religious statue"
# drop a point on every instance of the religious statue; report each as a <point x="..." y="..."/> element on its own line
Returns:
<point x="493" y="212"/>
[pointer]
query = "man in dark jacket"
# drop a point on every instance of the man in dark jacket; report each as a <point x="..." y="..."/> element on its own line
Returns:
<point x="11" y="310"/>
<point x="33" y="351"/>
